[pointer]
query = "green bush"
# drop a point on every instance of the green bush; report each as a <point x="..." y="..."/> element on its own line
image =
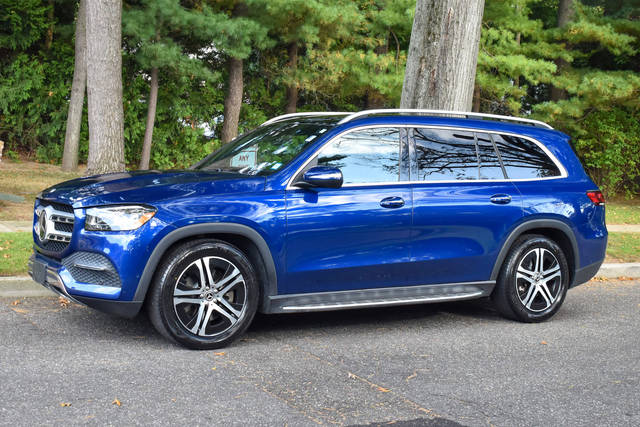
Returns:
<point x="610" y="150"/>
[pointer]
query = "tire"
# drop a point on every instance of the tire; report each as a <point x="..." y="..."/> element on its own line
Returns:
<point x="530" y="292"/>
<point x="200" y="310"/>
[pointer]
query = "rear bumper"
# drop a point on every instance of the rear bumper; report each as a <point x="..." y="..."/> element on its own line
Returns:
<point x="55" y="277"/>
<point x="585" y="274"/>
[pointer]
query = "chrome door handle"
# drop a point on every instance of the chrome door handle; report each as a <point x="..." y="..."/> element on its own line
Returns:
<point x="392" y="202"/>
<point x="500" y="199"/>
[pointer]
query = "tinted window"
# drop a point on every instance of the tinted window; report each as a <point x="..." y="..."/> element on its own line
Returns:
<point x="523" y="159"/>
<point x="445" y="155"/>
<point x="489" y="162"/>
<point x="364" y="156"/>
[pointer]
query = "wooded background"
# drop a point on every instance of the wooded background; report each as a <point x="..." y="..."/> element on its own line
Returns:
<point x="575" y="65"/>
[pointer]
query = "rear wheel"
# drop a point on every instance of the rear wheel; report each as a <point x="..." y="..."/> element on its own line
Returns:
<point x="205" y="295"/>
<point x="533" y="281"/>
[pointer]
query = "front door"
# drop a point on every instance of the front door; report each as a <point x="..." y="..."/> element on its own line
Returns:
<point x="356" y="236"/>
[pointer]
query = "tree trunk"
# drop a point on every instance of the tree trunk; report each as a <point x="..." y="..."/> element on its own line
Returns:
<point x="233" y="101"/>
<point x="104" y="87"/>
<point x="443" y="55"/>
<point x="151" y="118"/>
<point x="78" y="89"/>
<point x="50" y="15"/>
<point x="292" y="89"/>
<point x="565" y="15"/>
<point x="476" y="99"/>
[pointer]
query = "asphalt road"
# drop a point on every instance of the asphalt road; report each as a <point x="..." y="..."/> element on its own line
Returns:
<point x="441" y="364"/>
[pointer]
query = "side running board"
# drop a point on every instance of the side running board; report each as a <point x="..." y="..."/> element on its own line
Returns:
<point x="378" y="297"/>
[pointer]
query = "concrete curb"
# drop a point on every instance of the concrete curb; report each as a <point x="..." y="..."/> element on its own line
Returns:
<point x="24" y="286"/>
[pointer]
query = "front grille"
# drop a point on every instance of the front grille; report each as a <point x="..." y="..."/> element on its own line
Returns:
<point x="89" y="267"/>
<point x="57" y="226"/>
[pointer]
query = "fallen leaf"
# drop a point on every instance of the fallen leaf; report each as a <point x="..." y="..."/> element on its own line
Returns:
<point x="214" y="368"/>
<point x="20" y="310"/>
<point x="351" y="375"/>
<point x="384" y="390"/>
<point x="543" y="342"/>
<point x="220" y="353"/>
<point x="65" y="404"/>
<point x="63" y="301"/>
<point x="412" y="376"/>
<point x="16" y="302"/>
<point x="116" y="402"/>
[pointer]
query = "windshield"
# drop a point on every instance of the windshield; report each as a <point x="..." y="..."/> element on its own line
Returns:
<point x="267" y="149"/>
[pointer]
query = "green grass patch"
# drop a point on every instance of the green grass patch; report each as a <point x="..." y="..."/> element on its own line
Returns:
<point x="623" y="247"/>
<point x="15" y="250"/>
<point x="623" y="213"/>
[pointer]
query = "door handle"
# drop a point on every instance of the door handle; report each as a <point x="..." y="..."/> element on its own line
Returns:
<point x="392" y="202"/>
<point x="500" y="199"/>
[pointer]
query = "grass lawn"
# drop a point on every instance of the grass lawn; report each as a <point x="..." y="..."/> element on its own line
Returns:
<point x="623" y="212"/>
<point x="26" y="179"/>
<point x="623" y="247"/>
<point x="15" y="250"/>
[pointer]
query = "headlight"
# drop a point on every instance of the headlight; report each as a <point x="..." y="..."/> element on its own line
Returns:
<point x="117" y="218"/>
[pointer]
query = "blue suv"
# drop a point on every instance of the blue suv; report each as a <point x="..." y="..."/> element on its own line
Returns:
<point x="327" y="211"/>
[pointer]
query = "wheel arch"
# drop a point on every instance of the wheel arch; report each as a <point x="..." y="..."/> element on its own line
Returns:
<point x="555" y="230"/>
<point x="244" y="237"/>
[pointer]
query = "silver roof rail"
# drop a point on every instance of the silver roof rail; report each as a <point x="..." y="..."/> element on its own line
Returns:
<point x="314" y="113"/>
<point x="463" y="114"/>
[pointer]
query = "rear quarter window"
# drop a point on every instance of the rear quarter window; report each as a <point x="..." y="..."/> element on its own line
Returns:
<point x="524" y="159"/>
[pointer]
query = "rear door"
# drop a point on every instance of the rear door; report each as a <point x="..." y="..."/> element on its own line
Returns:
<point x="463" y="206"/>
<point x="356" y="236"/>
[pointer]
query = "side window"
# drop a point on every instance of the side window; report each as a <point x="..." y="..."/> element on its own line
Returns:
<point x="444" y="155"/>
<point x="364" y="156"/>
<point x="490" y="167"/>
<point x="523" y="159"/>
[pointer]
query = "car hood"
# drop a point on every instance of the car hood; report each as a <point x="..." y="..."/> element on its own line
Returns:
<point x="149" y="187"/>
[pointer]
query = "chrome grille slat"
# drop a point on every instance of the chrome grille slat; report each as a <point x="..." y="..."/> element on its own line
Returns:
<point x="58" y="225"/>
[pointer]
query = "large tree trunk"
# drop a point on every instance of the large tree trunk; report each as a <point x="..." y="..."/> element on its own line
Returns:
<point x="443" y="55"/>
<point x="151" y="118"/>
<point x="104" y="86"/>
<point x="233" y="101"/>
<point x="565" y="15"/>
<point x="78" y="89"/>
<point x="292" y="89"/>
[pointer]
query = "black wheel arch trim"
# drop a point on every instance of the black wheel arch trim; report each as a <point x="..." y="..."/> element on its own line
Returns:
<point x="532" y="225"/>
<point x="269" y="289"/>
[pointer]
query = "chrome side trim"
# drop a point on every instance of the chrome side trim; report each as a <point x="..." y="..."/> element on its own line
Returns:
<point x="376" y="297"/>
<point x="445" y="113"/>
<point x="315" y="113"/>
<point x="554" y="159"/>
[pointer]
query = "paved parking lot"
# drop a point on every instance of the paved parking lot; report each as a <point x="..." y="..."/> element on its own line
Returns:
<point x="441" y="364"/>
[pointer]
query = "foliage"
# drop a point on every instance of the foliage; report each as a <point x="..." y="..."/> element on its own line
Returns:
<point x="15" y="250"/>
<point x="351" y="56"/>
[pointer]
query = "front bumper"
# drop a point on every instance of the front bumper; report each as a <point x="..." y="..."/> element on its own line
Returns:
<point x="56" y="277"/>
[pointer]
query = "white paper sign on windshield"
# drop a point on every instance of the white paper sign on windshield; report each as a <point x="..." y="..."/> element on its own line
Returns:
<point x="245" y="158"/>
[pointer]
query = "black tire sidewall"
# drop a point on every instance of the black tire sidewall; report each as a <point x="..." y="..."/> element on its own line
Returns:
<point x="169" y="275"/>
<point x="507" y="278"/>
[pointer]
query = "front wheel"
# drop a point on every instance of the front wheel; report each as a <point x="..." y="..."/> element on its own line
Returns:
<point x="533" y="281"/>
<point x="205" y="295"/>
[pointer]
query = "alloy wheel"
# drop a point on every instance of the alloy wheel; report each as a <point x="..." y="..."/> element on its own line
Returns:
<point x="538" y="280"/>
<point x="210" y="296"/>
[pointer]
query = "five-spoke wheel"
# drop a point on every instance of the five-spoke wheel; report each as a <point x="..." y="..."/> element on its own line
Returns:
<point x="205" y="294"/>
<point x="533" y="281"/>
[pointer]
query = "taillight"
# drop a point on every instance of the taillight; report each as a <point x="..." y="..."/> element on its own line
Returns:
<point x="596" y="197"/>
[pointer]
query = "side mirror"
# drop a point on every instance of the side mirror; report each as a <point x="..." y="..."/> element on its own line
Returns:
<point x="321" y="176"/>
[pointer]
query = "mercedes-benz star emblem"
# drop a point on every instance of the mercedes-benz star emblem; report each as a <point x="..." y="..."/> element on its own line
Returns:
<point x="42" y="226"/>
